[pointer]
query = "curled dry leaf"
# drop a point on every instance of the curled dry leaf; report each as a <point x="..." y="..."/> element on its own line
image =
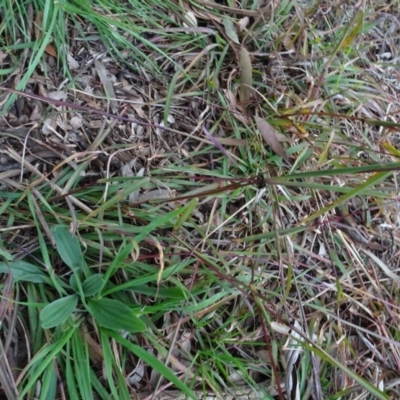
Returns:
<point x="198" y="14"/>
<point x="136" y="376"/>
<point x="106" y="79"/>
<point x="37" y="113"/>
<point x="237" y="109"/>
<point x="76" y="122"/>
<point x="38" y="23"/>
<point x="231" y="141"/>
<point x="3" y="55"/>
<point x="231" y="10"/>
<point x="243" y="22"/>
<point x="230" y="96"/>
<point x="72" y="63"/>
<point x="190" y="19"/>
<point x="170" y="118"/>
<point x="57" y="95"/>
<point x="51" y="51"/>
<point x="263" y="355"/>
<point x="185" y="342"/>
<point x="63" y="124"/>
<point x="156" y="194"/>
<point x="49" y="126"/>
<point x="95" y="350"/>
<point x="126" y="171"/>
<point x="269" y="135"/>
<point x="137" y="104"/>
<point x="132" y="97"/>
<point x="288" y="43"/>
<point x="246" y="75"/>
<point x="95" y="124"/>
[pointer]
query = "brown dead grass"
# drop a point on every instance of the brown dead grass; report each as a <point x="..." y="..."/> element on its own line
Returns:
<point x="330" y="96"/>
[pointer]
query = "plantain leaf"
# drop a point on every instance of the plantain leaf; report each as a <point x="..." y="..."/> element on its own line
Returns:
<point x="92" y="285"/>
<point x="113" y="314"/>
<point x="68" y="247"/>
<point x="58" y="311"/>
<point x="24" y="271"/>
<point x="73" y="282"/>
<point x="6" y="254"/>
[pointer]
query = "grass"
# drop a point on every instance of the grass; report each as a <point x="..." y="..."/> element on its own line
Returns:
<point x="207" y="203"/>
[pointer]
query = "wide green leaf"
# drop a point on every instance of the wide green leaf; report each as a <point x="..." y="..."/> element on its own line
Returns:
<point x="92" y="285"/>
<point x="68" y="247"/>
<point x="113" y="314"/>
<point x="5" y="254"/>
<point x="24" y="271"/>
<point x="58" y="311"/>
<point x="73" y="282"/>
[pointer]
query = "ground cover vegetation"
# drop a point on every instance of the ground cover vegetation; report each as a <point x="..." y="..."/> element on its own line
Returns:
<point x="199" y="199"/>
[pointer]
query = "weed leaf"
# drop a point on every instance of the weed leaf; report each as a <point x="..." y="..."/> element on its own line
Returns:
<point x="6" y="255"/>
<point x="73" y="282"/>
<point x="92" y="285"/>
<point x="23" y="271"/>
<point x="113" y="314"/>
<point x="58" y="311"/>
<point x="68" y="247"/>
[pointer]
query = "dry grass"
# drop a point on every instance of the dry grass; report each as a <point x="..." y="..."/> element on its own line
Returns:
<point x="228" y="175"/>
